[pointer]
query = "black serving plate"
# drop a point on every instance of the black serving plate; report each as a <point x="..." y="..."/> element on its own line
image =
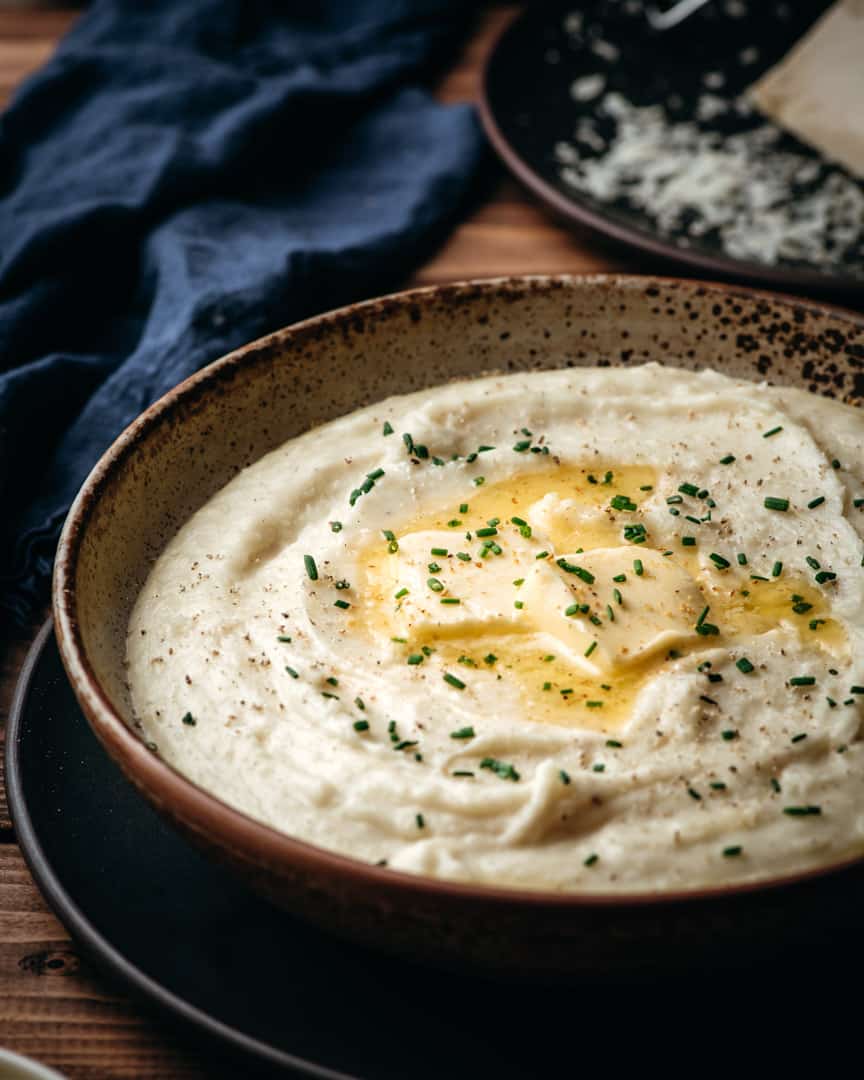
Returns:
<point x="527" y="109"/>
<point x="182" y="934"/>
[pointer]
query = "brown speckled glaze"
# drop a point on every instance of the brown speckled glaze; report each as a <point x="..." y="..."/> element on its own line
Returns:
<point x="191" y="442"/>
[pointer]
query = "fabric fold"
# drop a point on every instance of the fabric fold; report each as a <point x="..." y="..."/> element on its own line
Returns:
<point x="182" y="178"/>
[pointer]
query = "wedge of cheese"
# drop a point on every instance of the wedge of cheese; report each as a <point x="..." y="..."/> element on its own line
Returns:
<point x="817" y="90"/>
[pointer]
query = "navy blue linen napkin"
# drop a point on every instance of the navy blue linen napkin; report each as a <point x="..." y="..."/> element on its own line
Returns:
<point x="182" y="177"/>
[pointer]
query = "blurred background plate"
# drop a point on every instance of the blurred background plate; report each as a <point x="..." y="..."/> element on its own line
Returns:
<point x="565" y="96"/>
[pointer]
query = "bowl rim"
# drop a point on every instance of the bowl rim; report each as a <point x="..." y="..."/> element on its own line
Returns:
<point x="580" y="212"/>
<point x="263" y="845"/>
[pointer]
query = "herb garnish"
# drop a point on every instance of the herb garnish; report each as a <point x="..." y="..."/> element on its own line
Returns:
<point x="773" y="503"/>
<point x="501" y="768"/>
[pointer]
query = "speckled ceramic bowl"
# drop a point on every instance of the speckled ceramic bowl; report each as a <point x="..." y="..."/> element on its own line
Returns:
<point x="189" y="444"/>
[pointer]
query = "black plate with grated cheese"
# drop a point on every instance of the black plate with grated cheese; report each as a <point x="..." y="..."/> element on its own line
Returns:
<point x="650" y="138"/>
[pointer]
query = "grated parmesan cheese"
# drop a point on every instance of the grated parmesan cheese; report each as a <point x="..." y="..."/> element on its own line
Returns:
<point x="762" y="200"/>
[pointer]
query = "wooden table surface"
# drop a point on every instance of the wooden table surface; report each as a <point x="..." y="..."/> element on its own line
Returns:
<point x="53" y="1005"/>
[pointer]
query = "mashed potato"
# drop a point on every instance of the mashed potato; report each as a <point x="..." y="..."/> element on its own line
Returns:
<point x="590" y="630"/>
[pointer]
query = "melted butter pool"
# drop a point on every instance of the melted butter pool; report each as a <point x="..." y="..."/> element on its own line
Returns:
<point x="567" y="509"/>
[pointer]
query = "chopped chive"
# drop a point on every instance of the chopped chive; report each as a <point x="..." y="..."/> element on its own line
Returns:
<point x="599" y="767"/>
<point x="742" y="558"/>
<point x="622" y="502"/>
<point x="777" y="569"/>
<point x="620" y="577"/>
<point x="414" y="659"/>
<point x="775" y="784"/>
<point x="542" y="555"/>
<point x="490" y="531"/>
<point x="292" y="672"/>
<point x="500" y="768"/>
<point x="858" y="503"/>
<point x="463" y="733"/>
<point x="189" y="720"/>
<point x="646" y="487"/>
<point x="616" y="593"/>
<point x="744" y="665"/>
<point x="335" y="526"/>
<point x="594" y="705"/>
<point x="688" y="541"/>
<point x="360" y="703"/>
<point x="801" y="607"/>
<point x="563" y="776"/>
<point x="773" y="431"/>
<point x="835" y="464"/>
<point x="521" y="446"/>
<point x="816" y="502"/>
<point x="462" y="772"/>
<point x="580" y="572"/>
<point x="802" y="811"/>
<point x="773" y="503"/>
<point x="361" y="725"/>
<point x="732" y="852"/>
<point x="343" y="604"/>
<point x="719" y="561"/>
<point x="311" y="568"/>
<point x="453" y="681"/>
<point x="688" y="489"/>
<point x="387" y="429"/>
<point x="823" y="576"/>
<point x="729" y="734"/>
<point x="638" y="568"/>
<point x="438" y="551"/>
<point x="591" y="648"/>
<point x="717" y="785"/>
<point x="727" y="460"/>
<point x="614" y="744"/>
<point x="799" y="738"/>
<point x="673" y="500"/>
<point x="802" y="680"/>
<point x="284" y="638"/>
<point x="814" y="624"/>
<point x="592" y="859"/>
<point x="479" y="481"/>
<point x="434" y="584"/>
<point x="451" y="600"/>
<point x="636" y="534"/>
<point x="694" y="794"/>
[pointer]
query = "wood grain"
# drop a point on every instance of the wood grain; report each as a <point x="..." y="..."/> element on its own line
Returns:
<point x="53" y="1005"/>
